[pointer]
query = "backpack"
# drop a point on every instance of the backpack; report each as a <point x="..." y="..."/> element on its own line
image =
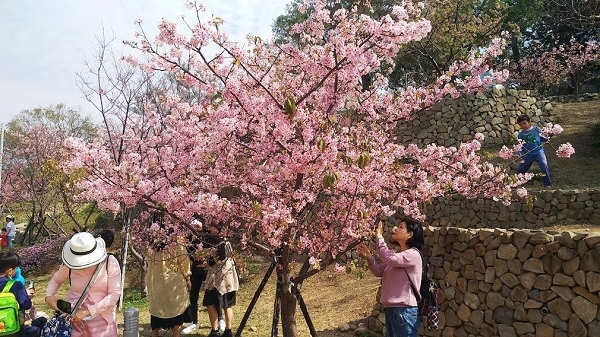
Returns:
<point x="10" y="317"/>
<point x="428" y="298"/>
<point x="428" y="291"/>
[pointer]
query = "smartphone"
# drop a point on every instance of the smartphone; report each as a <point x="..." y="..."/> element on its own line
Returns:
<point x="64" y="306"/>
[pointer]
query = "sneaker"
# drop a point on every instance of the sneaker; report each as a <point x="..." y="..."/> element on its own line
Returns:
<point x="227" y="333"/>
<point x="214" y="333"/>
<point x="221" y="325"/>
<point x="189" y="329"/>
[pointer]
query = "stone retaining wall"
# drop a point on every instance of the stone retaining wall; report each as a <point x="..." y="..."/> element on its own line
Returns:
<point x="493" y="113"/>
<point x="508" y="283"/>
<point x="539" y="209"/>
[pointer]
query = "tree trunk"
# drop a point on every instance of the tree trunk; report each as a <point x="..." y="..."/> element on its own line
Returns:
<point x="144" y="266"/>
<point x="514" y="46"/>
<point x="288" y="298"/>
<point x="288" y="311"/>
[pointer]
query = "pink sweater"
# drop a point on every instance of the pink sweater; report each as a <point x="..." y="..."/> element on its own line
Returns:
<point x="104" y="293"/>
<point x="395" y="288"/>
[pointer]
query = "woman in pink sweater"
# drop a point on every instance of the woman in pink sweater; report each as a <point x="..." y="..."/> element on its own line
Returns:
<point x="97" y="316"/>
<point x="397" y="297"/>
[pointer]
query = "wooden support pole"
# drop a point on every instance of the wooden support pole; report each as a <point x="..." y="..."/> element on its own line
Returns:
<point x="257" y="293"/>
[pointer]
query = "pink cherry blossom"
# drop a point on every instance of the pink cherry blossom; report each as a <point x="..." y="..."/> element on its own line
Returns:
<point x="565" y="150"/>
<point x="551" y="130"/>
<point x="556" y="66"/>
<point x="506" y="153"/>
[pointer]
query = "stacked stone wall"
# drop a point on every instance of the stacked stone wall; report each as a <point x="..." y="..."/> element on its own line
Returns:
<point x="506" y="283"/>
<point x="539" y="209"/>
<point x="493" y="113"/>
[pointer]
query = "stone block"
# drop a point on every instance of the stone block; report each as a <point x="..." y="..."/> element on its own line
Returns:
<point x="584" y="309"/>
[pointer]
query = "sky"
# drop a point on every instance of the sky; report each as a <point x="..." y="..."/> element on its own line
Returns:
<point x="44" y="42"/>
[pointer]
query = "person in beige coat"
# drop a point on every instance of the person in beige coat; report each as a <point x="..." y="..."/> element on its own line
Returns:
<point x="168" y="281"/>
<point x="221" y="284"/>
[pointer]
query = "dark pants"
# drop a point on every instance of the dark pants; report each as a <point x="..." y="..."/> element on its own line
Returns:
<point x="34" y="329"/>
<point x="196" y="280"/>
<point x="542" y="162"/>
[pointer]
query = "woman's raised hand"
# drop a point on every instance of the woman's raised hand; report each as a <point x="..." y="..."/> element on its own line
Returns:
<point x="363" y="250"/>
<point x="379" y="230"/>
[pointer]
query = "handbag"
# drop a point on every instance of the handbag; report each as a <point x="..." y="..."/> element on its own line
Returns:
<point x="60" y="324"/>
<point x="57" y="326"/>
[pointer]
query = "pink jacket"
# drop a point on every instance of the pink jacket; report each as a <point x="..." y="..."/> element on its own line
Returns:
<point x="395" y="287"/>
<point x="104" y="293"/>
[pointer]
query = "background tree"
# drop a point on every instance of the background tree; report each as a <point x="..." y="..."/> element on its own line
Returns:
<point x="32" y="180"/>
<point x="283" y="149"/>
<point x="561" y="69"/>
<point x="458" y="27"/>
<point x="558" y="50"/>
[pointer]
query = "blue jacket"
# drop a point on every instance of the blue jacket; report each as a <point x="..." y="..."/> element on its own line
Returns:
<point x="533" y="142"/>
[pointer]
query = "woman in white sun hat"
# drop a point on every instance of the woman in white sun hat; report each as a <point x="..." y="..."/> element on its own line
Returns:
<point x="81" y="255"/>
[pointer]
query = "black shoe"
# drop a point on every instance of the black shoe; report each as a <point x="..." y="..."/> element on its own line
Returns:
<point x="227" y="333"/>
<point x="214" y="333"/>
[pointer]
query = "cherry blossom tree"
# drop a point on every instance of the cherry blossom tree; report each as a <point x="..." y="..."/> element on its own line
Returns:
<point x="566" y="65"/>
<point x="32" y="180"/>
<point x="282" y="147"/>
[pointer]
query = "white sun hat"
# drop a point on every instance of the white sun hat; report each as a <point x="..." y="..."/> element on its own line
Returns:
<point x="83" y="250"/>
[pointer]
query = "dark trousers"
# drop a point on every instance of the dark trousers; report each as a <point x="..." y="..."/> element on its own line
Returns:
<point x="34" y="329"/>
<point x="196" y="280"/>
<point x="542" y="162"/>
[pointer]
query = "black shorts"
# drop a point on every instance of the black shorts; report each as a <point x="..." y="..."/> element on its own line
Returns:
<point x="166" y="323"/>
<point x="212" y="297"/>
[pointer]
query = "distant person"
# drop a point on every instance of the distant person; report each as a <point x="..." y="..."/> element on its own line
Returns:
<point x="533" y="149"/>
<point x="108" y="236"/>
<point x="490" y="73"/>
<point x="168" y="282"/>
<point x="3" y="238"/>
<point x="10" y="230"/>
<point x="397" y="296"/>
<point x="97" y="316"/>
<point x="9" y="262"/>
<point x="222" y="284"/>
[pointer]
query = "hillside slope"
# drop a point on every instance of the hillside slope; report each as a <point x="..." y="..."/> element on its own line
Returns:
<point x="581" y="123"/>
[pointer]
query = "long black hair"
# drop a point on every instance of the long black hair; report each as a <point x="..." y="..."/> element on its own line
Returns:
<point x="417" y="240"/>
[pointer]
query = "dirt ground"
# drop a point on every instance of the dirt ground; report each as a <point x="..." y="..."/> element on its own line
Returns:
<point x="331" y="298"/>
<point x="581" y="123"/>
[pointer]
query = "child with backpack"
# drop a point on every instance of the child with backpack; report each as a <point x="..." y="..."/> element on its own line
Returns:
<point x="12" y="306"/>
